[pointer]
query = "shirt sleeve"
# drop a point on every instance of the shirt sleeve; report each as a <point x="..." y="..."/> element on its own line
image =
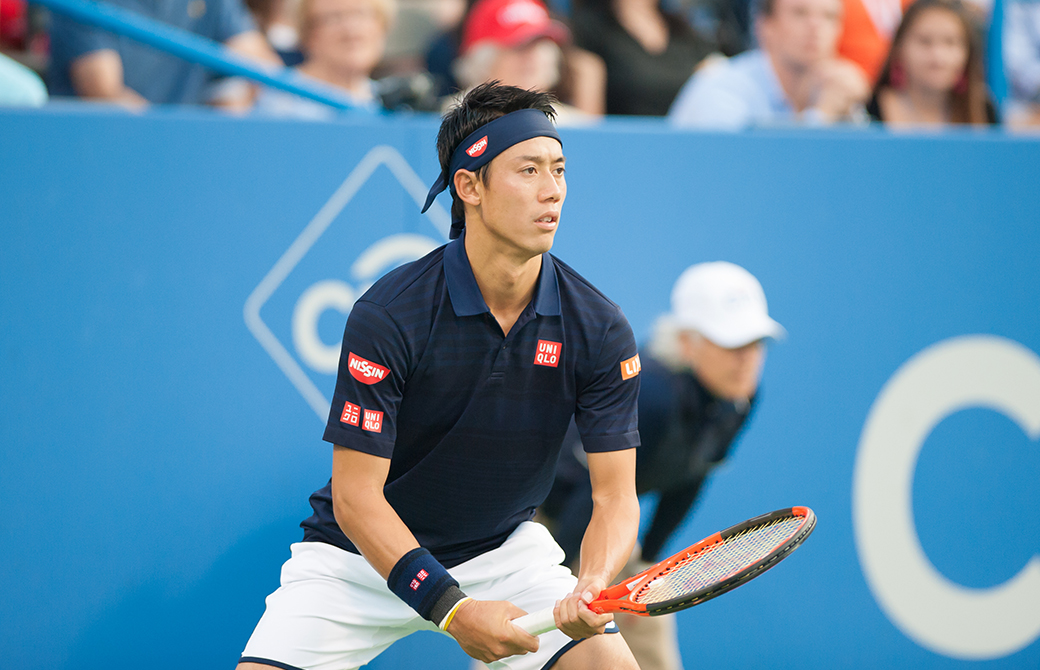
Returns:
<point x="370" y="382"/>
<point x="607" y="408"/>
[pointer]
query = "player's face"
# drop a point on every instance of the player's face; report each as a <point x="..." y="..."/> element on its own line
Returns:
<point x="521" y="200"/>
<point x="935" y="50"/>
<point x="802" y="32"/>
<point x="730" y="374"/>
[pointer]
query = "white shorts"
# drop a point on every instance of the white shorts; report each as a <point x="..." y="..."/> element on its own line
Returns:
<point x="333" y="611"/>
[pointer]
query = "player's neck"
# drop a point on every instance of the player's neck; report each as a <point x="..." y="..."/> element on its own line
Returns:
<point x="505" y="277"/>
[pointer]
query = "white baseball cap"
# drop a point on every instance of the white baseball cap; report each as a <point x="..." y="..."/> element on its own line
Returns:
<point x="724" y="303"/>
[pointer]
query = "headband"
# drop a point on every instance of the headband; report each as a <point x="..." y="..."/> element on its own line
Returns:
<point x="486" y="142"/>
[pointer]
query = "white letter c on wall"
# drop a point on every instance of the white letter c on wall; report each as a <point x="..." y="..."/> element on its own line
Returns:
<point x="945" y="617"/>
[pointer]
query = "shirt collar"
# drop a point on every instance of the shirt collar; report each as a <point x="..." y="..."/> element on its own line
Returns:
<point x="465" y="295"/>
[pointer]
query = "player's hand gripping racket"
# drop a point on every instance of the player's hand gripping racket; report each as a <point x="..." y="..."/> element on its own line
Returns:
<point x="711" y="567"/>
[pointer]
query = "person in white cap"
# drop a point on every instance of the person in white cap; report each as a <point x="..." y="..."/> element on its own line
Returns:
<point x="701" y="373"/>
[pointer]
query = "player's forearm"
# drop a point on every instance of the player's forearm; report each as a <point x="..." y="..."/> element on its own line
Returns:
<point x="367" y="519"/>
<point x="374" y="527"/>
<point x="610" y="536"/>
<point x="362" y="511"/>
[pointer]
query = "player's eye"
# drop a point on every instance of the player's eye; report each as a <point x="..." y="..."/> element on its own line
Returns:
<point x="529" y="170"/>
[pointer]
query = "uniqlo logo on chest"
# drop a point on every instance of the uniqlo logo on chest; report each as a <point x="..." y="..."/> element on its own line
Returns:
<point x="351" y="414"/>
<point x="373" y="421"/>
<point x="364" y="371"/>
<point x="548" y="353"/>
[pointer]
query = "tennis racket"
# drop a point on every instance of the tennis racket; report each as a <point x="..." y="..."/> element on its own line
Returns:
<point x="711" y="567"/>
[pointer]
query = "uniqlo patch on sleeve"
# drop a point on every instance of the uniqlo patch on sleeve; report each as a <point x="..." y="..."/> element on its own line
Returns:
<point x="373" y="421"/>
<point x="351" y="414"/>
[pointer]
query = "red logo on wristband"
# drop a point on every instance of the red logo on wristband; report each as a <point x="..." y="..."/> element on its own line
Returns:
<point x="421" y="577"/>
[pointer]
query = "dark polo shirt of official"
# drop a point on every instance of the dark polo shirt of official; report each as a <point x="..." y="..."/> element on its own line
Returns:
<point x="472" y="419"/>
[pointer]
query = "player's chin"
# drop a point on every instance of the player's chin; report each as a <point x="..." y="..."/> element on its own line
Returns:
<point x="542" y="241"/>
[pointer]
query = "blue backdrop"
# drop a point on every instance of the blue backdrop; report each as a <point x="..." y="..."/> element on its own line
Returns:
<point x="173" y="284"/>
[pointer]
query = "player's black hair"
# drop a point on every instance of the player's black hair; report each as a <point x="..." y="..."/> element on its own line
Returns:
<point x="480" y="106"/>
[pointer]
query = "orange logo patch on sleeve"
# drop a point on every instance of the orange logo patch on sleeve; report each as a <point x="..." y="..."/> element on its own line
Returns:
<point x="631" y="367"/>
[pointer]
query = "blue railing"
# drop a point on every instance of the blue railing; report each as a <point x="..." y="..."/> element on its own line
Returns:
<point x="194" y="48"/>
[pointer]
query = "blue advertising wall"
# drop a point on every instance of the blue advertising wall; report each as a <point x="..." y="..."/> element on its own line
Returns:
<point x="173" y="286"/>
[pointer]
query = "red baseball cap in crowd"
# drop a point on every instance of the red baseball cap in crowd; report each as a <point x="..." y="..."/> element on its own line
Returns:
<point x="510" y="23"/>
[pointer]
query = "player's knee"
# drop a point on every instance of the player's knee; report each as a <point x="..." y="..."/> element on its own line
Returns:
<point x="596" y="653"/>
<point x="621" y="658"/>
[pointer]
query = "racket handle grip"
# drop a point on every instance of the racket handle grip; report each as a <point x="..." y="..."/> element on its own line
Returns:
<point x="538" y="622"/>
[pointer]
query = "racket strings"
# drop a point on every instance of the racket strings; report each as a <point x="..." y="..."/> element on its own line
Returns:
<point x="716" y="562"/>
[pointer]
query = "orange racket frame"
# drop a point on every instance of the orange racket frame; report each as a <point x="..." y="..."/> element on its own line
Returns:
<point x="619" y="598"/>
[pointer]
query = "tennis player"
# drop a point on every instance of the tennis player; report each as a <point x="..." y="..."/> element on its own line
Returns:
<point x="458" y="376"/>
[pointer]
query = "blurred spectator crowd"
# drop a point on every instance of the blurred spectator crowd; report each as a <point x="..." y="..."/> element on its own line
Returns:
<point x="723" y="64"/>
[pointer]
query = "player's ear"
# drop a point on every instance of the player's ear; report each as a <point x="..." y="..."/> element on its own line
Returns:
<point x="466" y="187"/>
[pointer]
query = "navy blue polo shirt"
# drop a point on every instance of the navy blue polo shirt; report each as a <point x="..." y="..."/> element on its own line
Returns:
<point x="472" y="420"/>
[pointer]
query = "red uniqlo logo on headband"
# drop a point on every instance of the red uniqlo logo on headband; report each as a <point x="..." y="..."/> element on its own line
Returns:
<point x="364" y="371"/>
<point x="478" y="147"/>
<point x="351" y="414"/>
<point x="548" y="353"/>
<point x="373" y="421"/>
